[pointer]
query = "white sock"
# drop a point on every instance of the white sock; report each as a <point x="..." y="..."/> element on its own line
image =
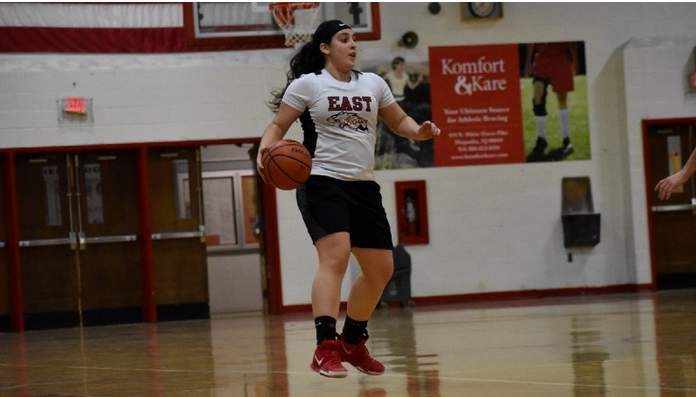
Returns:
<point x="564" y="121"/>
<point x="541" y="126"/>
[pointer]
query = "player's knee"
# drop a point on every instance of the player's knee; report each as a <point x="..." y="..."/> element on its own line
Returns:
<point x="381" y="275"/>
<point x="539" y="101"/>
<point x="540" y="109"/>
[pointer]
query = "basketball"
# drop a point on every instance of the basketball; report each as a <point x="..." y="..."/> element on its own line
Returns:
<point x="287" y="164"/>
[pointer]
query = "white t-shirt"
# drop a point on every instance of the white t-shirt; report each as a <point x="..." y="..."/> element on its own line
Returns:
<point x="343" y="128"/>
<point x="398" y="85"/>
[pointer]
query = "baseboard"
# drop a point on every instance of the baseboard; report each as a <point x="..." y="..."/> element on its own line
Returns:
<point x="183" y="311"/>
<point x="676" y="281"/>
<point x="51" y="320"/>
<point x="112" y="316"/>
<point x="504" y="296"/>
<point x="5" y="323"/>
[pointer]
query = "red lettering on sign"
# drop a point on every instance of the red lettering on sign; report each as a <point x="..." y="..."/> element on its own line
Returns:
<point x="75" y="105"/>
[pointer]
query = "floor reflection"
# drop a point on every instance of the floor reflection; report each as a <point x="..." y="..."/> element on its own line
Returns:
<point x="421" y="370"/>
<point x="616" y="345"/>
<point x="588" y="357"/>
<point x="675" y="327"/>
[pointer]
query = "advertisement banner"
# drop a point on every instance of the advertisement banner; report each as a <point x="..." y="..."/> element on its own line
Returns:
<point x="477" y="105"/>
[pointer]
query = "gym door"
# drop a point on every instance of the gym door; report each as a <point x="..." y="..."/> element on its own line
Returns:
<point x="78" y="225"/>
<point x="178" y="235"/>
<point x="674" y="220"/>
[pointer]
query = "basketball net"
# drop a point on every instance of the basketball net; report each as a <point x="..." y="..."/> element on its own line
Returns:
<point x="296" y="20"/>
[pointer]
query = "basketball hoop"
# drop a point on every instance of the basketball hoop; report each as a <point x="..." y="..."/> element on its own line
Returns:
<point x="296" y="20"/>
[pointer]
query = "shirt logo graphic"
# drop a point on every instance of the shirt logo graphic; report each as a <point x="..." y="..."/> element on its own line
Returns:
<point x="348" y="119"/>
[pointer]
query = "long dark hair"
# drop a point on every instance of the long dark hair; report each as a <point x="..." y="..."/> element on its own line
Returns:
<point x="308" y="59"/>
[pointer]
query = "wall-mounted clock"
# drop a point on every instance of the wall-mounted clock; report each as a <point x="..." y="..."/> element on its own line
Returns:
<point x="481" y="11"/>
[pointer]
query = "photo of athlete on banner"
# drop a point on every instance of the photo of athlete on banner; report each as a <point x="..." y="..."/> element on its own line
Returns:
<point x="554" y="99"/>
<point x="408" y="79"/>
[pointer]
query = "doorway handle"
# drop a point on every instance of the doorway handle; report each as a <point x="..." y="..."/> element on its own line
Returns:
<point x="175" y="235"/>
<point x="111" y="239"/>
<point x="675" y="207"/>
<point x="82" y="240"/>
<point x="45" y="242"/>
<point x="76" y="242"/>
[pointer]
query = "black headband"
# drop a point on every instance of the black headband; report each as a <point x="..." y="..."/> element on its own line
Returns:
<point x="327" y="30"/>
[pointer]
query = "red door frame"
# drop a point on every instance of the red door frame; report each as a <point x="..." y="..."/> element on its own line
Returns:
<point x="646" y="124"/>
<point x="14" y="266"/>
<point x="270" y="217"/>
<point x="147" y="258"/>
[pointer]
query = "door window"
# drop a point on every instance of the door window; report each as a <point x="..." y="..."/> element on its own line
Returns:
<point x="231" y="214"/>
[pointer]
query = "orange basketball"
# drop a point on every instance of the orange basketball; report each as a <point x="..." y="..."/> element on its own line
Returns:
<point x="287" y="164"/>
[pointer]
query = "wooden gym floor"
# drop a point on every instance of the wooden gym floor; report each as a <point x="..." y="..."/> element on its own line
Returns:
<point x="612" y="345"/>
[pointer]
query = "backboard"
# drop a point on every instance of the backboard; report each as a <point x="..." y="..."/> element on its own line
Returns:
<point x="251" y="24"/>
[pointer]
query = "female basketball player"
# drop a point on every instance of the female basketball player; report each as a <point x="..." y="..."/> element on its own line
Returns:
<point x="341" y="203"/>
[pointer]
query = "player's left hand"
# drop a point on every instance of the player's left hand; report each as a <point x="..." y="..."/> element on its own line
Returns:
<point x="428" y="130"/>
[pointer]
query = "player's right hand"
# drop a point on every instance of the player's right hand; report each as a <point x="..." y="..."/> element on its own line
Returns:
<point x="259" y="162"/>
<point x="667" y="186"/>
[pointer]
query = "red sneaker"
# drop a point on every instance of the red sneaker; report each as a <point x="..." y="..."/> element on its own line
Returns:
<point x="359" y="357"/>
<point x="327" y="360"/>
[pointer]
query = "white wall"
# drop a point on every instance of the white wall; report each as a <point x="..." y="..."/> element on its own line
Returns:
<point x="138" y="97"/>
<point x="234" y="283"/>
<point x="493" y="228"/>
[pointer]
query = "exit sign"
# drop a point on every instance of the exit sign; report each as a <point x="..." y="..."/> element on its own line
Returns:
<point x="75" y="105"/>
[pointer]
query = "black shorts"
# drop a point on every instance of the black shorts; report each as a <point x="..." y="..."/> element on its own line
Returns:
<point x="329" y="205"/>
